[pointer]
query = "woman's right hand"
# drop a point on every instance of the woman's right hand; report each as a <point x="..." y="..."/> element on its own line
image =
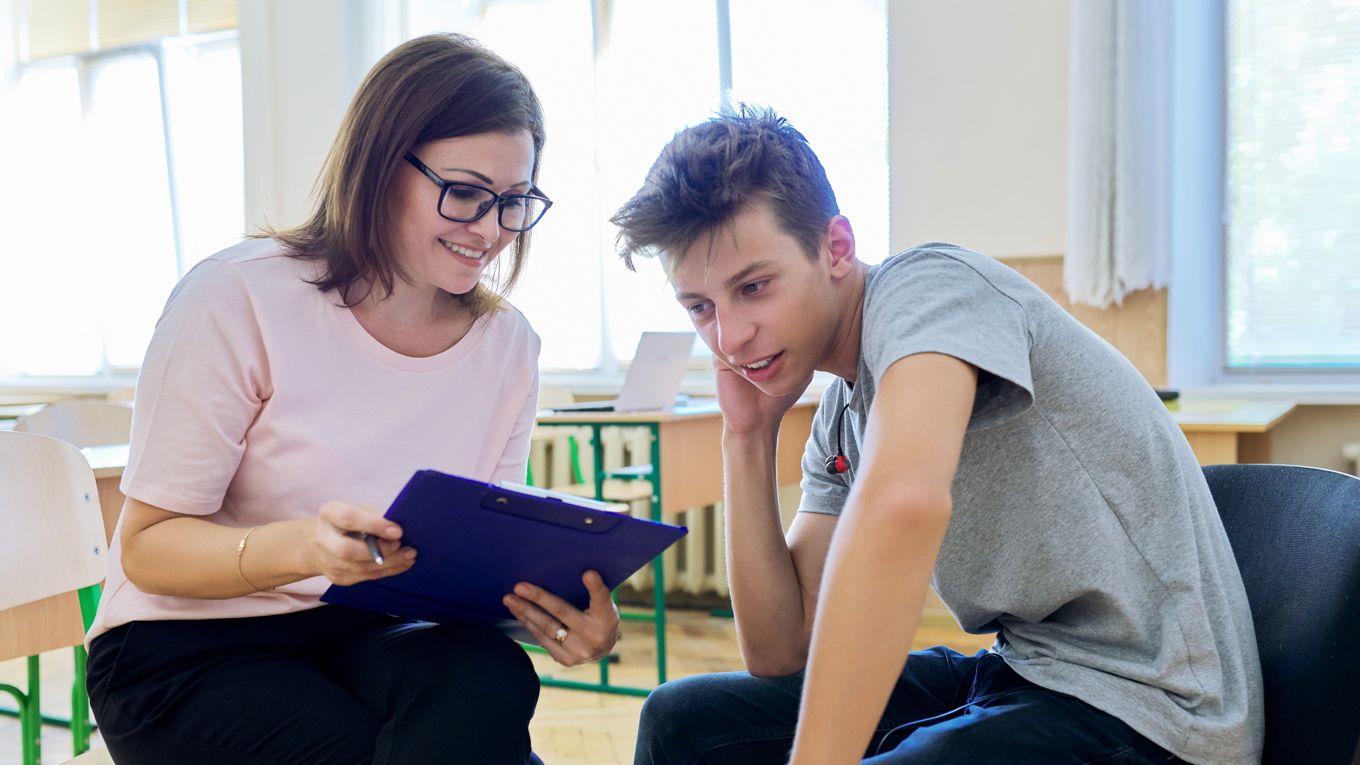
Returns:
<point x="336" y="549"/>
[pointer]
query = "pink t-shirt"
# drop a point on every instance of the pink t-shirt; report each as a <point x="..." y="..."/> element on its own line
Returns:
<point x="261" y="399"/>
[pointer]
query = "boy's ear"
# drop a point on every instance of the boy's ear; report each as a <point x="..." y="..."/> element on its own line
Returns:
<point x="838" y="241"/>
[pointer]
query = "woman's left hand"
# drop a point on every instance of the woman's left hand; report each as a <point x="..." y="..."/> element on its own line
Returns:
<point x="570" y="635"/>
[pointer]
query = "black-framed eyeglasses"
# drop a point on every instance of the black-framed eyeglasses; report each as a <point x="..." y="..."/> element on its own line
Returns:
<point x="468" y="202"/>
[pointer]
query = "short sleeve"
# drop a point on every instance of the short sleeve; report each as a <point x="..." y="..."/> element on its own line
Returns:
<point x="932" y="302"/>
<point x="823" y="492"/>
<point x="514" y="461"/>
<point x="202" y="384"/>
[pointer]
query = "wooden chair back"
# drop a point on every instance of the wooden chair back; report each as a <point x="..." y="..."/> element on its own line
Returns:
<point x="83" y="423"/>
<point x="52" y="545"/>
<point x="123" y="395"/>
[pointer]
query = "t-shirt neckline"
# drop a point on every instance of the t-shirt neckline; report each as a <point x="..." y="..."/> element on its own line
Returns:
<point x="374" y="348"/>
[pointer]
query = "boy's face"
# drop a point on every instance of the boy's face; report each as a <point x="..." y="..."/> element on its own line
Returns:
<point x="760" y="303"/>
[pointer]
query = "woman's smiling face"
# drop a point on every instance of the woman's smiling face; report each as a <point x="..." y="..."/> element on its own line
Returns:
<point x="434" y="250"/>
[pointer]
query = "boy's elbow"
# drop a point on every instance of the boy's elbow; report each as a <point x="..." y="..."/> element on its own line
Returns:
<point x="911" y="507"/>
<point x="771" y="669"/>
<point x="781" y="662"/>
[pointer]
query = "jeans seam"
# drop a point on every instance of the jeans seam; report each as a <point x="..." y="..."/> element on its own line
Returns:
<point x="746" y="737"/>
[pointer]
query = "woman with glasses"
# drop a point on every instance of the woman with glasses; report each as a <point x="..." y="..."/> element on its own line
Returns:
<point x="294" y="383"/>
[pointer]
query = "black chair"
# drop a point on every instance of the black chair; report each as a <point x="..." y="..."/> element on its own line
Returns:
<point x="1295" y="532"/>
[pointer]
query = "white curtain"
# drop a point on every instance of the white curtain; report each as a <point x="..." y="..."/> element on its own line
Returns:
<point x="1119" y="149"/>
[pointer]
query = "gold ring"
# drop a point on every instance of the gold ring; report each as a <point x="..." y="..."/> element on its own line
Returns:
<point x="560" y="635"/>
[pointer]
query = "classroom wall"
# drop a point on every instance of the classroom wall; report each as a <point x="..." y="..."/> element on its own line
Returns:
<point x="978" y="124"/>
<point x="978" y="149"/>
<point x="301" y="62"/>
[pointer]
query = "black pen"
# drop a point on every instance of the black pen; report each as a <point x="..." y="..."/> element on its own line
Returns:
<point x="372" y="543"/>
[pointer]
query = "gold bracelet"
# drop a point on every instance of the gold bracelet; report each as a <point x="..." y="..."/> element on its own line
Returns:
<point x="240" y="550"/>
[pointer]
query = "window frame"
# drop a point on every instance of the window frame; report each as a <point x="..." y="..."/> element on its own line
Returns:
<point x="107" y="373"/>
<point x="1197" y="299"/>
<point x="1298" y="375"/>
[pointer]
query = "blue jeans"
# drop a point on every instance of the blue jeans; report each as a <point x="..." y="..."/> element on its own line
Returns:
<point x="946" y="708"/>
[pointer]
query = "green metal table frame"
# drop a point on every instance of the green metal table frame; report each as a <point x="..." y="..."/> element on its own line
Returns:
<point x="657" y="614"/>
<point x="29" y="712"/>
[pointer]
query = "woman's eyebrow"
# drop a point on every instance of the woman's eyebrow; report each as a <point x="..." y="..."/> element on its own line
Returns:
<point x="483" y="178"/>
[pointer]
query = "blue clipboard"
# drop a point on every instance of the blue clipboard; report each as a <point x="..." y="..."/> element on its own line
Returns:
<point x="477" y="540"/>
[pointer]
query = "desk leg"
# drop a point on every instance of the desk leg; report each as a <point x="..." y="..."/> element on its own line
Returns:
<point x="658" y="615"/>
<point x="1214" y="448"/>
<point x="1253" y="448"/>
<point x="33" y="730"/>
<point x="23" y="711"/>
<point x="598" y="445"/>
<point x="110" y="505"/>
<point x="658" y="565"/>
<point x="80" y="705"/>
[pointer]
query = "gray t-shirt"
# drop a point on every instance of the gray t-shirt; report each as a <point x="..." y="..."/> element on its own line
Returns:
<point x="1083" y="531"/>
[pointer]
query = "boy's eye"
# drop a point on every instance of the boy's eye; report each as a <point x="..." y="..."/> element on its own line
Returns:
<point x="697" y="309"/>
<point x="751" y="288"/>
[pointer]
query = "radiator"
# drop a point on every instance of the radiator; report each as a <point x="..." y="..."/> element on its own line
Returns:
<point x="696" y="564"/>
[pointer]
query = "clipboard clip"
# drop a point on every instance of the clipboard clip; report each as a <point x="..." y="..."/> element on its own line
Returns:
<point x="549" y="510"/>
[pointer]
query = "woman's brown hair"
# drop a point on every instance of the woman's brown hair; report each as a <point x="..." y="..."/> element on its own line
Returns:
<point x="426" y="89"/>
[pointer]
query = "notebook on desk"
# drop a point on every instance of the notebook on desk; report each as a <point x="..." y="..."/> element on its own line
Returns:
<point x="477" y="540"/>
<point x="653" y="379"/>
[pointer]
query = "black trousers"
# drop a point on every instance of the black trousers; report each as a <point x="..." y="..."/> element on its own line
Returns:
<point x="328" y="685"/>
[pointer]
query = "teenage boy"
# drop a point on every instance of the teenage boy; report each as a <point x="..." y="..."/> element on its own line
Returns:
<point x="979" y="441"/>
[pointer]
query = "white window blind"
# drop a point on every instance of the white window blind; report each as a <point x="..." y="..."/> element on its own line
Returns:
<point x="1293" y="187"/>
<point x="61" y="27"/>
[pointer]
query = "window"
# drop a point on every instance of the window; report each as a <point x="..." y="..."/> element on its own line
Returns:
<point x="127" y="169"/>
<point x="1292" y="269"/>
<point x="618" y="79"/>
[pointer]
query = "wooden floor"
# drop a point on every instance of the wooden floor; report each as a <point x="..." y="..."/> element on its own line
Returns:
<point x="571" y="727"/>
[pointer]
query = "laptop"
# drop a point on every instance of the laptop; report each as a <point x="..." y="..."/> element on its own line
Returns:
<point x="653" y="379"/>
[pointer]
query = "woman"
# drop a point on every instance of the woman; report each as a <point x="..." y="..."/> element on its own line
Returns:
<point x="293" y="385"/>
